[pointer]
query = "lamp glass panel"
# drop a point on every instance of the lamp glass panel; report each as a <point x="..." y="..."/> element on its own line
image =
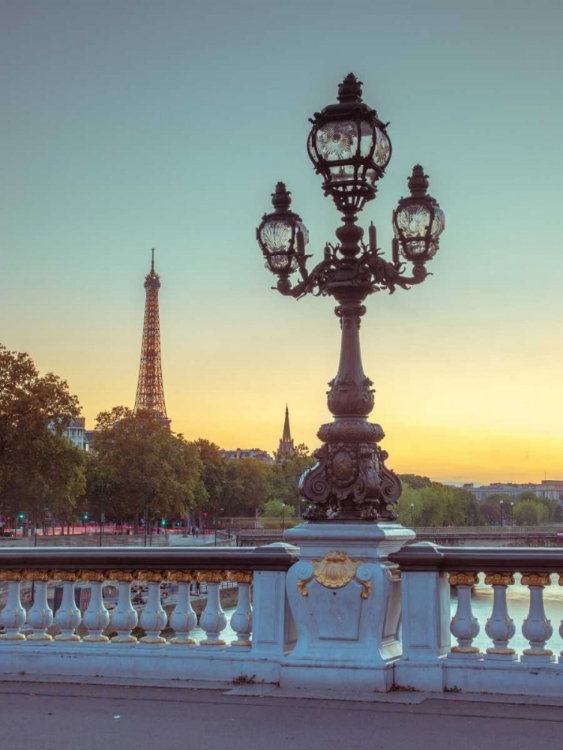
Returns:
<point x="337" y="140"/>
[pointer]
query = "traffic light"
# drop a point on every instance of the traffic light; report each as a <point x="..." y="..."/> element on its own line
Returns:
<point x="163" y="522"/>
<point x="85" y="516"/>
<point x="21" y="516"/>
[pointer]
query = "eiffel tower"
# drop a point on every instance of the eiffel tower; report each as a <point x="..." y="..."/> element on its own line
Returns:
<point x="150" y="390"/>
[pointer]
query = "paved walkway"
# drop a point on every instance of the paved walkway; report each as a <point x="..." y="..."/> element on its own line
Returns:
<point x="134" y="717"/>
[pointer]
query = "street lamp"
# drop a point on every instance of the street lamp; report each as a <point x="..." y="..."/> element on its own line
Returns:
<point x="283" y="516"/>
<point x="501" y="512"/>
<point x="349" y="147"/>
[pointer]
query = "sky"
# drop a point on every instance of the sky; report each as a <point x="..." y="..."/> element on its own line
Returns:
<point x="131" y="125"/>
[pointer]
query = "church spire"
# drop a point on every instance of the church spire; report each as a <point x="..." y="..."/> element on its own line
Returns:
<point x="286" y="449"/>
<point x="286" y="438"/>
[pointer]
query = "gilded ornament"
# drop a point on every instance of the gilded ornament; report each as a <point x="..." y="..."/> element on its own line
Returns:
<point x="465" y="650"/>
<point x="561" y="579"/>
<point x="499" y="579"/>
<point x="366" y="589"/>
<point x="501" y="651"/>
<point x="121" y="576"/>
<point x="302" y="585"/>
<point x="150" y="576"/>
<point x="240" y="576"/>
<point x="212" y="576"/>
<point x="35" y="575"/>
<point x="180" y="576"/>
<point x="335" y="570"/>
<point x="67" y="576"/>
<point x="543" y="652"/>
<point x="11" y="575"/>
<point x="536" y="579"/>
<point x="464" y="579"/>
<point x="93" y="576"/>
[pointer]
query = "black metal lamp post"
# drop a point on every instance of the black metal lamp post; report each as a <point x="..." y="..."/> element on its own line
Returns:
<point x="350" y="148"/>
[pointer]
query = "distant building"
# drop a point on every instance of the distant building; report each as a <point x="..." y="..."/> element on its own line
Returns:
<point x="241" y="453"/>
<point x="551" y="489"/>
<point x="89" y="439"/>
<point x="286" y="448"/>
<point x="76" y="431"/>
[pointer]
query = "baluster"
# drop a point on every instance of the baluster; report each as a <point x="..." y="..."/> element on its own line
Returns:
<point x="464" y="626"/>
<point x="96" y="617"/>
<point x="40" y="616"/>
<point x="12" y="616"/>
<point x="153" y="617"/>
<point x="124" y="617"/>
<point x="213" y="620"/>
<point x="183" y="619"/>
<point x="500" y="627"/>
<point x="537" y="629"/>
<point x="68" y="616"/>
<point x="241" y="619"/>
<point x="561" y="626"/>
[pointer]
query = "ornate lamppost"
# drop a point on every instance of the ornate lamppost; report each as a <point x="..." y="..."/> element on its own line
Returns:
<point x="350" y="148"/>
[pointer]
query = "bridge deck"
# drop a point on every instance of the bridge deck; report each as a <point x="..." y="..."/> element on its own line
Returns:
<point x="53" y="716"/>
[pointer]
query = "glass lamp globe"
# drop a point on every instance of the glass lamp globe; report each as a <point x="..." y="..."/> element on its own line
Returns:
<point x="282" y="235"/>
<point x="349" y="147"/>
<point x="418" y="221"/>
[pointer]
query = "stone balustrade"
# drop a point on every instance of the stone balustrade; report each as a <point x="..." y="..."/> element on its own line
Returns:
<point x="112" y="642"/>
<point x="311" y="617"/>
<point x="439" y="650"/>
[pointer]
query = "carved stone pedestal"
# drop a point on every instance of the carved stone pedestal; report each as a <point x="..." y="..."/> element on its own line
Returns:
<point x="345" y="599"/>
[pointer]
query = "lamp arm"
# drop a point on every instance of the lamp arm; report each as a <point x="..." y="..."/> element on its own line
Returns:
<point x="389" y="276"/>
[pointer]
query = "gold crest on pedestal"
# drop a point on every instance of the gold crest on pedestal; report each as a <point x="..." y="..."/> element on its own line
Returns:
<point x="334" y="571"/>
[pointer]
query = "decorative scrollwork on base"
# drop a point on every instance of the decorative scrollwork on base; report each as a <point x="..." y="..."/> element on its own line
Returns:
<point x="350" y="482"/>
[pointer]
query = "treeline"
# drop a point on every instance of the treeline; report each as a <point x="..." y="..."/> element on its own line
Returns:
<point x="138" y="468"/>
<point x="427" y="503"/>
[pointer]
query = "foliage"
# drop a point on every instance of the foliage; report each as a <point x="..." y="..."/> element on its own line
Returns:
<point x="249" y="487"/>
<point x="149" y="468"/>
<point x="552" y="507"/>
<point x="39" y="467"/>
<point x="415" y="481"/>
<point x="277" y="509"/>
<point x="286" y="476"/>
<point x="214" y="491"/>
<point x="530" y="513"/>
<point x="435" y="504"/>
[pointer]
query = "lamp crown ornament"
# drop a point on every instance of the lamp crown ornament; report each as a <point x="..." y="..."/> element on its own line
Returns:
<point x="418" y="182"/>
<point x="350" y="90"/>
<point x="350" y="148"/>
<point x="281" y="198"/>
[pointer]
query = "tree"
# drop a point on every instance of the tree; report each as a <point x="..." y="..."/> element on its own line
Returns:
<point x="467" y="501"/>
<point x="495" y="507"/>
<point x="530" y="513"/>
<point x="286" y="476"/>
<point x="552" y="506"/>
<point x="249" y="487"/>
<point x="436" y="504"/>
<point x="415" y="481"/>
<point x="277" y="509"/>
<point x="153" y="471"/>
<point x="38" y="465"/>
<point x="213" y="499"/>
